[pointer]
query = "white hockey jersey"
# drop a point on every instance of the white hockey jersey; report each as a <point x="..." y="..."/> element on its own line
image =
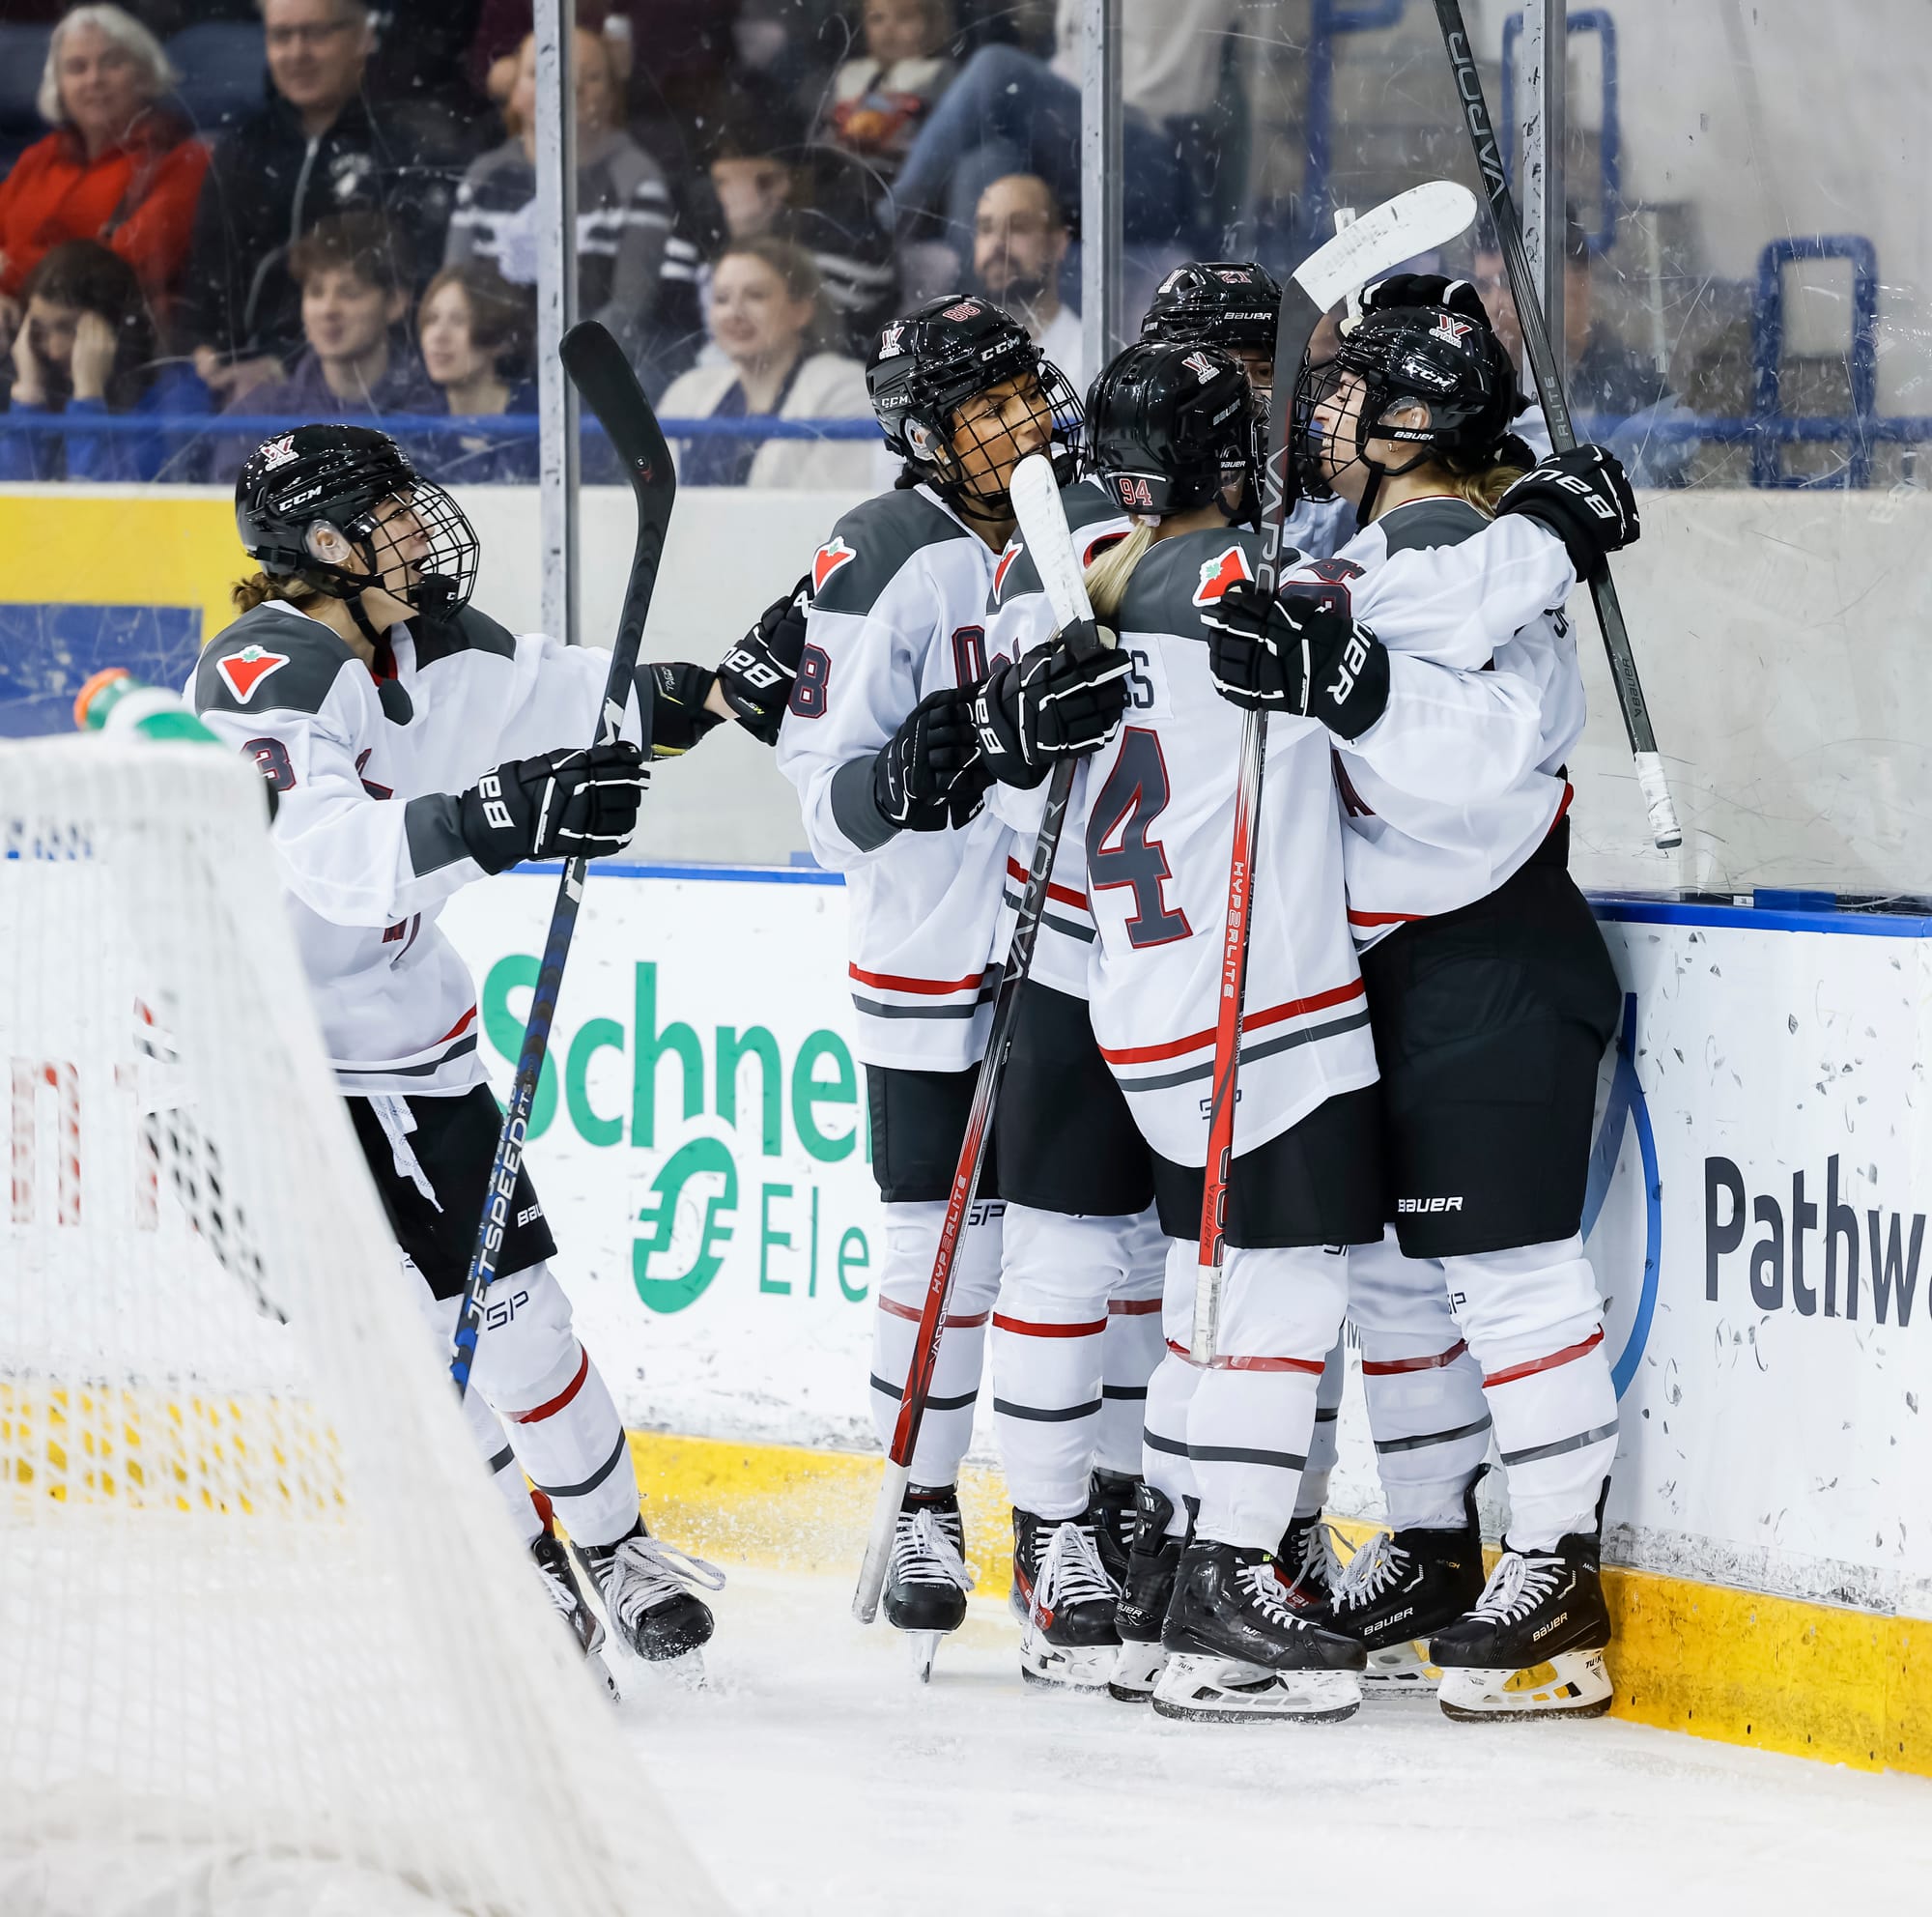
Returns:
<point x="899" y="599"/>
<point x="1463" y="778"/>
<point x="365" y="836"/>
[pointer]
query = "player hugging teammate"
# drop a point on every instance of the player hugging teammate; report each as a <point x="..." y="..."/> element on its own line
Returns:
<point x="1422" y="691"/>
<point x="415" y="746"/>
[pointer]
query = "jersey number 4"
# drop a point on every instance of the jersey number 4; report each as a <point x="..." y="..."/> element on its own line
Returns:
<point x="1121" y="850"/>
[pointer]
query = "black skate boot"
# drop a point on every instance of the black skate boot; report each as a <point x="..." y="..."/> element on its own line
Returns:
<point x="1114" y="1495"/>
<point x="1399" y="1588"/>
<point x="1532" y="1645"/>
<point x="646" y="1588"/>
<point x="1144" y="1590"/>
<point x="552" y="1556"/>
<point x="928" y="1580"/>
<point x="1309" y="1557"/>
<point x="1240" y="1651"/>
<point x="1064" y="1601"/>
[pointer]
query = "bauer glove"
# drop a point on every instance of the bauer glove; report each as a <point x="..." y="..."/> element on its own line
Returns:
<point x="1583" y="497"/>
<point x="574" y="804"/>
<point x="1066" y="697"/>
<point x="678" y="718"/>
<point x="926" y="776"/>
<point x="1302" y="653"/>
<point x="756" y="676"/>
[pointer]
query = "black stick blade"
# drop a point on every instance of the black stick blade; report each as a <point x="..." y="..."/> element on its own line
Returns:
<point x="603" y="376"/>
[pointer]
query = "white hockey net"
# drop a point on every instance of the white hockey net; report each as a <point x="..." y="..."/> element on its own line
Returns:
<point x="266" y="1642"/>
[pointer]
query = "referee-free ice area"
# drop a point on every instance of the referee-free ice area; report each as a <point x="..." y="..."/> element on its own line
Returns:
<point x="814" y="1779"/>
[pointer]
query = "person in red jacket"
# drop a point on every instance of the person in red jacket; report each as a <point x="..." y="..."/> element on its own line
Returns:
<point x="117" y="168"/>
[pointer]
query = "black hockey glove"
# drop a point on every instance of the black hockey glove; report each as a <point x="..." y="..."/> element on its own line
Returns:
<point x="1066" y="697"/>
<point x="678" y="718"/>
<point x="1423" y="289"/>
<point x="756" y="676"/>
<point x="560" y="804"/>
<point x="1584" y="498"/>
<point x="1301" y="653"/>
<point x="926" y="776"/>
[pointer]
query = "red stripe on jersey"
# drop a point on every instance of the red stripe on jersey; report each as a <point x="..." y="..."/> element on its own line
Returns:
<point x="1132" y="1307"/>
<point x="1388" y="1367"/>
<point x="1568" y="794"/>
<point x="563" y="1397"/>
<point x="1251" y="1022"/>
<point x="1065" y="894"/>
<point x="1311" y="1366"/>
<point x="460" y="1026"/>
<point x="1384" y="918"/>
<point x="893" y="1308"/>
<point x="1549" y="1363"/>
<point x="932" y="987"/>
<point x="1028" y="1329"/>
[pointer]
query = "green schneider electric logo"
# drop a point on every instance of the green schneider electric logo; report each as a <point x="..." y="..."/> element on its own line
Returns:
<point x="821" y="1079"/>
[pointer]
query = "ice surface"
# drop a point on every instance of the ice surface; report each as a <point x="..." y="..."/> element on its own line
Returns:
<point x="815" y="1780"/>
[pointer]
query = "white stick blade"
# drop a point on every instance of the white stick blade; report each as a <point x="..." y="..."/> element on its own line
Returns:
<point x="1043" y="521"/>
<point x="1378" y="240"/>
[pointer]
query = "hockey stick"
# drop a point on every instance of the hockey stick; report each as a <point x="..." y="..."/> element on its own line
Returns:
<point x="1664" y="831"/>
<point x="1043" y="521"/>
<point x="597" y="366"/>
<point x="1375" y="244"/>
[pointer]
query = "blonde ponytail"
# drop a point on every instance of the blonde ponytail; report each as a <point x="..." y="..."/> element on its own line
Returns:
<point x="1108" y="576"/>
<point x="1484" y="489"/>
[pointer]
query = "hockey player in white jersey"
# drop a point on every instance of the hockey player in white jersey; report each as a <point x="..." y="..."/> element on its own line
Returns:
<point x="1489" y="988"/>
<point x="414" y="746"/>
<point x="880" y="742"/>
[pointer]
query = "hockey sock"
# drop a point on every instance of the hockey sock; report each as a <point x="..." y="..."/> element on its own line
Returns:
<point x="1055" y="1275"/>
<point x="1424" y="1390"/>
<point x="1164" y="1460"/>
<point x="912" y="1238"/>
<point x="1132" y="1346"/>
<point x="1313" y="1492"/>
<point x="1534" y="1321"/>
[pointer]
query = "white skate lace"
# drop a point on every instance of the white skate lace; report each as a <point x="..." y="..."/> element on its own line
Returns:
<point x="1320" y="1563"/>
<point x="1069" y="1571"/>
<point x="1374" y="1568"/>
<point x="1267" y="1594"/>
<point x="1518" y="1583"/>
<point x="924" y="1552"/>
<point x="645" y="1571"/>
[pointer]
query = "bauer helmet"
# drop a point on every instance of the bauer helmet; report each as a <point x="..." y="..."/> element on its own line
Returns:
<point x="1233" y="304"/>
<point x="1169" y="427"/>
<point x="337" y="476"/>
<point x="928" y="365"/>
<point x="1443" y="355"/>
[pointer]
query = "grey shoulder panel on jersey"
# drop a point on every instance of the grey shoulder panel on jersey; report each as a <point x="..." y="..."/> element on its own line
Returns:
<point x="470" y="631"/>
<point x="270" y="660"/>
<point x="855" y="808"/>
<point x="1178" y="578"/>
<point x="1087" y="507"/>
<point x="1426" y="523"/>
<point x="871" y="545"/>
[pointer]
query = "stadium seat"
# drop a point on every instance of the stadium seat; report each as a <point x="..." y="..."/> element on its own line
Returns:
<point x="222" y="64"/>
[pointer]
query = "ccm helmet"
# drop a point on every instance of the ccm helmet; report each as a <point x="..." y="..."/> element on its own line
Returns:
<point x="928" y="365"/>
<point x="337" y="476"/>
<point x="1169" y="427"/>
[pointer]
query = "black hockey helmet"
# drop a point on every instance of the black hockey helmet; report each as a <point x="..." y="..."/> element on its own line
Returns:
<point x="1229" y="303"/>
<point x="338" y="476"/>
<point x="1443" y="354"/>
<point x="928" y="365"/>
<point x="1170" y="427"/>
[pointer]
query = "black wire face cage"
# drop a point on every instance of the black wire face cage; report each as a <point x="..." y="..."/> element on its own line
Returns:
<point x="449" y="567"/>
<point x="1312" y="385"/>
<point x="1062" y="405"/>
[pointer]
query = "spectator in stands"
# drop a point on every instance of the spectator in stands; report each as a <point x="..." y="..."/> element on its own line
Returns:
<point x="354" y="274"/>
<point x="878" y="101"/>
<point x="86" y="349"/>
<point x="118" y="167"/>
<point x="314" y="150"/>
<point x="767" y="315"/>
<point x="623" y="205"/>
<point x="475" y="330"/>
<point x="1009" y="112"/>
<point x="1019" y="240"/>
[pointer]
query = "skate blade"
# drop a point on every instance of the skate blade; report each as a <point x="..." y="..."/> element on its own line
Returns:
<point x="1064" y="1667"/>
<point x="1400" y="1671"/>
<point x="1219" y="1690"/>
<point x="1572" y="1684"/>
<point x="1136" y="1668"/>
<point x="924" y="1647"/>
<point x="599" y="1672"/>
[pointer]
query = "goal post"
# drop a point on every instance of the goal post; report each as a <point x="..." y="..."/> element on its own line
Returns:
<point x="266" y="1637"/>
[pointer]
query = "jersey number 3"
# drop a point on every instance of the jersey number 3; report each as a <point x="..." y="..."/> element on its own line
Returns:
<point x="1121" y="850"/>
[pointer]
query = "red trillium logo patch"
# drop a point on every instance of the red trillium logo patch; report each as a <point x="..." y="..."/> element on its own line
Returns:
<point x="1013" y="550"/>
<point x="827" y="560"/>
<point x="245" y="670"/>
<point x="1226" y="569"/>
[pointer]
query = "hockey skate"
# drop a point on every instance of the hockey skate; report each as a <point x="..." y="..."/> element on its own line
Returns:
<point x="1113" y="1505"/>
<point x="928" y="1579"/>
<point x="1308" y="1555"/>
<point x="552" y="1558"/>
<point x="1533" y="1644"/>
<point x="1240" y="1650"/>
<point x="645" y="1585"/>
<point x="1399" y="1589"/>
<point x="1063" y="1600"/>
<point x="1145" y="1592"/>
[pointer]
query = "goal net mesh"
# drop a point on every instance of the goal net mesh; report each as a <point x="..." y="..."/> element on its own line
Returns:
<point x="266" y="1642"/>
